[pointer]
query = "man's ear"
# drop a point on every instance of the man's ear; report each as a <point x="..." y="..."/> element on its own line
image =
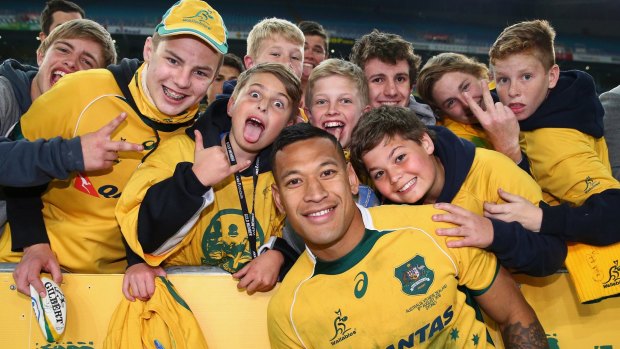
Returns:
<point x="147" y="52"/>
<point x="42" y="36"/>
<point x="276" y="198"/>
<point x="354" y="181"/>
<point x="366" y="109"/>
<point x="248" y="62"/>
<point x="427" y="144"/>
<point x="554" y="75"/>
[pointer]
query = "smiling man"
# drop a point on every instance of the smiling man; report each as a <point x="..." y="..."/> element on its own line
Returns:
<point x="161" y="98"/>
<point x="368" y="287"/>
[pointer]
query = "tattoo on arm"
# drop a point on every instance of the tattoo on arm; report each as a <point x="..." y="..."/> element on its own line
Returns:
<point x="516" y="336"/>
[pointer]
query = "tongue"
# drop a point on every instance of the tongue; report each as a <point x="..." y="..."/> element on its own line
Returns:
<point x="252" y="132"/>
<point x="336" y="131"/>
<point x="55" y="78"/>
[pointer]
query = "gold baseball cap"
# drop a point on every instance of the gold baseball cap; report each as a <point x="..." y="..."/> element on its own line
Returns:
<point x="195" y="17"/>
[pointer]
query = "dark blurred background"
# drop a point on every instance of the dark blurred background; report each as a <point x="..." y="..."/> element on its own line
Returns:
<point x="588" y="31"/>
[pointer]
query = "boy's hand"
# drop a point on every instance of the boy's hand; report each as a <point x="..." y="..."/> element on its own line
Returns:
<point x="36" y="258"/>
<point x="139" y="281"/>
<point x="499" y="122"/>
<point x="261" y="274"/>
<point x="99" y="151"/>
<point x="516" y="209"/>
<point x="211" y="165"/>
<point x="475" y="230"/>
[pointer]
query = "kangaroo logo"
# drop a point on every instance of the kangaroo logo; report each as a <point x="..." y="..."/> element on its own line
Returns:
<point x="203" y="15"/>
<point x="339" y="325"/>
<point x="614" y="275"/>
<point x="590" y="184"/>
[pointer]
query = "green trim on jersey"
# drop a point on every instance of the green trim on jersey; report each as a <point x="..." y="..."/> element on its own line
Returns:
<point x="347" y="261"/>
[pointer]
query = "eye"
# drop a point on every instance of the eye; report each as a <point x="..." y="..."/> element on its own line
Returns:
<point x="377" y="175"/>
<point x="318" y="51"/>
<point x="320" y="102"/>
<point x="172" y="61"/>
<point x="527" y="77"/>
<point x="254" y="94"/>
<point x="293" y="182"/>
<point x="466" y="87"/>
<point x="275" y="54"/>
<point x="328" y="173"/>
<point x="402" y="79"/>
<point x="88" y="62"/>
<point x="377" y="80"/>
<point x="346" y="101"/>
<point x="449" y="104"/>
<point x="279" y="104"/>
<point x="219" y="78"/>
<point x="501" y="80"/>
<point x="400" y="158"/>
<point x="295" y="57"/>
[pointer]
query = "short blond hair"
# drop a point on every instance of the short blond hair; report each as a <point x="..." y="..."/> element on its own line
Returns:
<point x="270" y="27"/>
<point x="338" y="67"/>
<point x="437" y="66"/>
<point x="292" y="84"/>
<point x="531" y="37"/>
<point x="82" y="29"/>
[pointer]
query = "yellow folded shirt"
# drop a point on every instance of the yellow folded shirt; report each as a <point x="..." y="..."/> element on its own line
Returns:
<point x="163" y="322"/>
<point x="594" y="271"/>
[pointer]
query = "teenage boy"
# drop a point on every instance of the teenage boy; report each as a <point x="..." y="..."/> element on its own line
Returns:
<point x="76" y="45"/>
<point x="57" y="12"/>
<point x="315" y="48"/>
<point x="391" y="69"/>
<point x="361" y="286"/>
<point x="410" y="164"/>
<point x="161" y="98"/>
<point x="175" y="212"/>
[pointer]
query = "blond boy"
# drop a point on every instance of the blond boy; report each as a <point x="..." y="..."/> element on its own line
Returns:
<point x="560" y="118"/>
<point x="160" y="96"/>
<point x="183" y="206"/>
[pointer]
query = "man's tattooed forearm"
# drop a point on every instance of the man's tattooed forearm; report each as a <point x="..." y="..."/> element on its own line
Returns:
<point x="516" y="336"/>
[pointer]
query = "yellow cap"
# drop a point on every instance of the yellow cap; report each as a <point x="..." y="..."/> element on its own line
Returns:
<point x="195" y="17"/>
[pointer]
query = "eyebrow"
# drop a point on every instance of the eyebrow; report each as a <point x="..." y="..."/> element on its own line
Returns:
<point x="294" y="171"/>
<point x="86" y="53"/>
<point x="205" y="67"/>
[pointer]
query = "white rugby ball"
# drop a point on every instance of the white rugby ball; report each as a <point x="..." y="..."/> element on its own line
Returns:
<point x="50" y="311"/>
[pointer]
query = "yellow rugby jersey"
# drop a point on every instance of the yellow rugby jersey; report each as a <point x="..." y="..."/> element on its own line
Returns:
<point x="472" y="133"/>
<point x="79" y="212"/>
<point x="219" y="236"/>
<point x="490" y="171"/>
<point x="569" y="165"/>
<point x="397" y="288"/>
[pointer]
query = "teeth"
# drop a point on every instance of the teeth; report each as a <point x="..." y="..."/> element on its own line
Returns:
<point x="333" y="124"/>
<point x="59" y="72"/>
<point x="173" y="95"/>
<point x="389" y="103"/>
<point x="320" y="213"/>
<point x="408" y="185"/>
<point x="256" y="122"/>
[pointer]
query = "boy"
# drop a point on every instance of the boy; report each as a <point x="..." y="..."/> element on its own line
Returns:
<point x="174" y="212"/>
<point x="561" y="120"/>
<point x="315" y="48"/>
<point x="76" y="45"/>
<point x="391" y="68"/>
<point x="362" y="287"/>
<point x="160" y="97"/>
<point x="230" y="70"/>
<point x="336" y="97"/>
<point x="410" y="164"/>
<point x="57" y="12"/>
